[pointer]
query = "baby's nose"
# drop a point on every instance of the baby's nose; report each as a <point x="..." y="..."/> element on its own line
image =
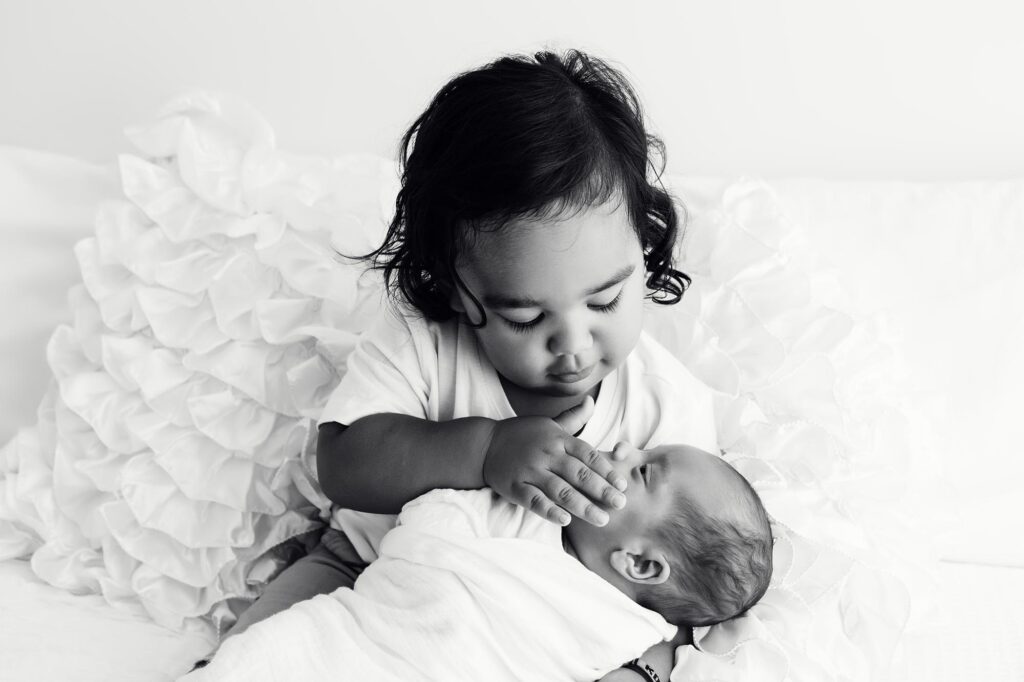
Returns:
<point x="626" y="453"/>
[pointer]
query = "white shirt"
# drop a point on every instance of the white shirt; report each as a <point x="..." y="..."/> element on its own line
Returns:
<point x="437" y="371"/>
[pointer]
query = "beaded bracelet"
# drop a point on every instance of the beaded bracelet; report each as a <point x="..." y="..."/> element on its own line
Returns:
<point x="637" y="665"/>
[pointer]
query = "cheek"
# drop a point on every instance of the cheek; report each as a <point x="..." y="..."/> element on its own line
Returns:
<point x="506" y="348"/>
<point x="621" y="523"/>
<point x="622" y="330"/>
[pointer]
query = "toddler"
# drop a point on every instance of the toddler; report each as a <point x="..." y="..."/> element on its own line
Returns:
<point x="470" y="586"/>
<point x="528" y="231"/>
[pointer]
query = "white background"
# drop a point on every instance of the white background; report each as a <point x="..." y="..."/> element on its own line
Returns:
<point x="858" y="89"/>
<point x="872" y="89"/>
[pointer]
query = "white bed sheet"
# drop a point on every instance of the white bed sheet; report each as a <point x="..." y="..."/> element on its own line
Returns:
<point x="47" y="635"/>
<point x="977" y="632"/>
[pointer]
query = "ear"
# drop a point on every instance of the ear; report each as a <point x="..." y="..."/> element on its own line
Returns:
<point x="455" y="300"/>
<point x="462" y="304"/>
<point x="646" y="567"/>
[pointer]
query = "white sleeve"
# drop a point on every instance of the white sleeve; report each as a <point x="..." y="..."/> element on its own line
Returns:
<point x="388" y="372"/>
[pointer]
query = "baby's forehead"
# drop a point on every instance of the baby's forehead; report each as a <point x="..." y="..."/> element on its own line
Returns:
<point x="705" y="479"/>
<point x="695" y="460"/>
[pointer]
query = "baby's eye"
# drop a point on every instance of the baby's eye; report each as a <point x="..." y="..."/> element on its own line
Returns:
<point x="645" y="473"/>
<point x="523" y="327"/>
<point x="609" y="306"/>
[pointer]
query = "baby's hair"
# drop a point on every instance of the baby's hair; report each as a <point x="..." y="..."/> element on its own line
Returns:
<point x="523" y="137"/>
<point x="719" y="568"/>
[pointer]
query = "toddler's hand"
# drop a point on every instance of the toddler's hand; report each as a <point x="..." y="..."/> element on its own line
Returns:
<point x="537" y="463"/>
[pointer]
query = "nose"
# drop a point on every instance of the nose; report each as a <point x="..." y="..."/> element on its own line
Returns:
<point x="627" y="457"/>
<point x="571" y="337"/>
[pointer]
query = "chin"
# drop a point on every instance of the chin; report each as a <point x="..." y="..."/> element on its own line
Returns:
<point x="579" y="389"/>
<point x="561" y="391"/>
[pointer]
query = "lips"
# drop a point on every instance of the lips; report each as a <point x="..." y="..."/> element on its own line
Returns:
<point x="572" y="377"/>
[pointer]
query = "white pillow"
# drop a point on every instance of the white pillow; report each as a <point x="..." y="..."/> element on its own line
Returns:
<point x="48" y="202"/>
<point x="172" y="459"/>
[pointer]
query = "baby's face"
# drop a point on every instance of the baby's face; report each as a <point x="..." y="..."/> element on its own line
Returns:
<point x="656" y="479"/>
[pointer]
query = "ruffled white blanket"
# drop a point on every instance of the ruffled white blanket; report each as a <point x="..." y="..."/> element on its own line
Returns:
<point x="467" y="587"/>
<point x="173" y="456"/>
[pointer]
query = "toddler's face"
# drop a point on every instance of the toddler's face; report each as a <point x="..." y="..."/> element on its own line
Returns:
<point x="563" y="298"/>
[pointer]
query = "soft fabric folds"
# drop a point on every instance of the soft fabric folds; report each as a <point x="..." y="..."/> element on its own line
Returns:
<point x="172" y="457"/>
<point x="810" y="411"/>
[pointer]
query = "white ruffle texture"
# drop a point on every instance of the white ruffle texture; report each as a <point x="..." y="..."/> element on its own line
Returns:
<point x="809" y="410"/>
<point x="173" y="458"/>
<point x="174" y="453"/>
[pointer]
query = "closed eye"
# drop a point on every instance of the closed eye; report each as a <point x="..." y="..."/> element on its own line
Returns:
<point x="609" y="306"/>
<point x="523" y="327"/>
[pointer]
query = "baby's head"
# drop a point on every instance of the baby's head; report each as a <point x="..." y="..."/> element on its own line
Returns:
<point x="692" y="543"/>
<point x="519" y="141"/>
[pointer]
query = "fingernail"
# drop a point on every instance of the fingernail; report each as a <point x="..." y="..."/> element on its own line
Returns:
<point x="601" y="518"/>
<point x="620" y="484"/>
<point x="564" y="519"/>
<point x="619" y="501"/>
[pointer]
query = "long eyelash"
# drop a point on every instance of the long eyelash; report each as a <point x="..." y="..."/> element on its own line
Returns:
<point x="610" y="305"/>
<point x="523" y="327"/>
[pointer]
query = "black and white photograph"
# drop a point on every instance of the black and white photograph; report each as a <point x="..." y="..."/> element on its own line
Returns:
<point x="533" y="342"/>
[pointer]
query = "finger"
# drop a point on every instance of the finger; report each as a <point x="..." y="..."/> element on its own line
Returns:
<point x="571" y="500"/>
<point x="595" y="460"/>
<point x="587" y="478"/>
<point x="589" y="483"/>
<point x="533" y="498"/>
<point x="575" y="418"/>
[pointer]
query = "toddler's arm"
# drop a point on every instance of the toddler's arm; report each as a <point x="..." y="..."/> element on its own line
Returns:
<point x="382" y="461"/>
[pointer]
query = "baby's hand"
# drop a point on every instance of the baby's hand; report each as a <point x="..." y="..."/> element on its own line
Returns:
<point x="537" y="463"/>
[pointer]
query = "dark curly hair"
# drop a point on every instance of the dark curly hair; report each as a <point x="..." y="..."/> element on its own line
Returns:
<point x="523" y="137"/>
<point x="719" y="567"/>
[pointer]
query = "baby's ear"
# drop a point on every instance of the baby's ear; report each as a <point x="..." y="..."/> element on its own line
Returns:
<point x="645" y="567"/>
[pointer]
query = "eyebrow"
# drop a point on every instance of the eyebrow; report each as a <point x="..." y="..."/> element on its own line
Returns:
<point x="501" y="301"/>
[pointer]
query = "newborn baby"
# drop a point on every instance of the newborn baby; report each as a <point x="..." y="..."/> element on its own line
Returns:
<point x="470" y="586"/>
<point x="692" y="543"/>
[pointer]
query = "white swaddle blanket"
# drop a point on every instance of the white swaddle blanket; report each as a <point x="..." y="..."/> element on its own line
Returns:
<point x="467" y="587"/>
